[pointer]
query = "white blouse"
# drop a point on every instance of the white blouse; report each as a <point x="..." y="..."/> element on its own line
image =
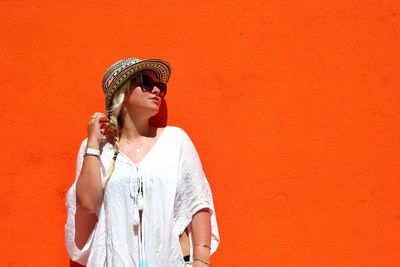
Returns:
<point x="174" y="189"/>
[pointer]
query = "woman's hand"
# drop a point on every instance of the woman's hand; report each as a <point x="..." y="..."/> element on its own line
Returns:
<point x="97" y="129"/>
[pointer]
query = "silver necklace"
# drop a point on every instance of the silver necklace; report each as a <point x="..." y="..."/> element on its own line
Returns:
<point x="137" y="148"/>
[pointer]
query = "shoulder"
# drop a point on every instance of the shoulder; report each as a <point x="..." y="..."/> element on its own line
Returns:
<point x="177" y="132"/>
<point x="181" y="138"/>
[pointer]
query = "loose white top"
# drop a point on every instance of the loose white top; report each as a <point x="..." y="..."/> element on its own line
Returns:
<point x="174" y="189"/>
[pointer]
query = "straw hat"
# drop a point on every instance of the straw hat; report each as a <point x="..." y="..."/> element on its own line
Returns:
<point x="126" y="68"/>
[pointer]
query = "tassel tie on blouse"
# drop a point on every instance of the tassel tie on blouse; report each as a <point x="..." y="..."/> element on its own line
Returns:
<point x="137" y="195"/>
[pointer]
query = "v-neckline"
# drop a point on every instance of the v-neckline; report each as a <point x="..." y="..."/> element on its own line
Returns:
<point x="148" y="152"/>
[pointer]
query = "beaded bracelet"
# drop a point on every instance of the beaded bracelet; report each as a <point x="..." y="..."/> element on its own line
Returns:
<point x="90" y="154"/>
<point x="203" y="261"/>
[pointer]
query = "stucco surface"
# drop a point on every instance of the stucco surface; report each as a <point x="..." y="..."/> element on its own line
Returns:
<point x="292" y="105"/>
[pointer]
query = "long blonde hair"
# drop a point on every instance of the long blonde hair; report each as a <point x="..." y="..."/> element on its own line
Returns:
<point x="115" y="123"/>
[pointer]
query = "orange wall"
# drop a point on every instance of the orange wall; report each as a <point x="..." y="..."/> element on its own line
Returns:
<point x="292" y="105"/>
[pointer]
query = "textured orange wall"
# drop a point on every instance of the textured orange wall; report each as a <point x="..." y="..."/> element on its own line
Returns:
<point x="292" y="105"/>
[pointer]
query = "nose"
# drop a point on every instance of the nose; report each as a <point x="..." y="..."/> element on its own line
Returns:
<point x="155" y="90"/>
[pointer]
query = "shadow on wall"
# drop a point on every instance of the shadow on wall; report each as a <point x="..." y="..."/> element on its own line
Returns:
<point x="159" y="120"/>
<point x="74" y="264"/>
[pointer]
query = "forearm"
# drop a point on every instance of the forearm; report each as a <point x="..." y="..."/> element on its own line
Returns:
<point x="201" y="235"/>
<point x="89" y="190"/>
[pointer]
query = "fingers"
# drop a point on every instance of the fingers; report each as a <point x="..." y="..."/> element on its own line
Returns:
<point x="100" y="122"/>
<point x="97" y="127"/>
<point x="103" y="128"/>
<point x="98" y="117"/>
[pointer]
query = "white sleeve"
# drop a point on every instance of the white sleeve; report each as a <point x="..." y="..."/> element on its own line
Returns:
<point x="194" y="192"/>
<point x="77" y="255"/>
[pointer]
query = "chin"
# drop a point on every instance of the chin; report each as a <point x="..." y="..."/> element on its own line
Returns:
<point x="154" y="111"/>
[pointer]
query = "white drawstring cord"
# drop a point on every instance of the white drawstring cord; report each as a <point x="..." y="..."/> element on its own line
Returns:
<point x="142" y="262"/>
<point x="140" y="202"/>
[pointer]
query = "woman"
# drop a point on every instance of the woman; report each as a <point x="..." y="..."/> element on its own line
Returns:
<point x="140" y="191"/>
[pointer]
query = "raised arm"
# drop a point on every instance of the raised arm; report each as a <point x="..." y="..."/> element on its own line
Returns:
<point x="89" y="189"/>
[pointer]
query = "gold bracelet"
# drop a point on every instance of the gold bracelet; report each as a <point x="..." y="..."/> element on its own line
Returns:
<point x="203" y="245"/>
<point x="203" y="261"/>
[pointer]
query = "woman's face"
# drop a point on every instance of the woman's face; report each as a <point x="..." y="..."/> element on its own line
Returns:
<point x="147" y="101"/>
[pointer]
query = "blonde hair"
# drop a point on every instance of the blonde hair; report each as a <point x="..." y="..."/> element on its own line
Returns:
<point x="115" y="123"/>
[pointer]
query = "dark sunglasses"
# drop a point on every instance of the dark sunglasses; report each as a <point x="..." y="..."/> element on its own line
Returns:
<point x="147" y="84"/>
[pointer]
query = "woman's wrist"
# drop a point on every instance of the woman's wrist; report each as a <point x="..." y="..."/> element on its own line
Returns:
<point x="93" y="143"/>
<point x="202" y="255"/>
<point x="201" y="262"/>
<point x="201" y="250"/>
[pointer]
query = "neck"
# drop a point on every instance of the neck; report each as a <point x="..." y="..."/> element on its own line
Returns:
<point x="136" y="128"/>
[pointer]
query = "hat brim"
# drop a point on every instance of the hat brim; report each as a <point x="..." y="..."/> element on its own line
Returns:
<point x="160" y="67"/>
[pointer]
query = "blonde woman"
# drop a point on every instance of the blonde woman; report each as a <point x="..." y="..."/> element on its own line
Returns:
<point x="140" y="196"/>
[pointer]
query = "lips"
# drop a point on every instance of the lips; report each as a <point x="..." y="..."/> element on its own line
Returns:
<point x="156" y="98"/>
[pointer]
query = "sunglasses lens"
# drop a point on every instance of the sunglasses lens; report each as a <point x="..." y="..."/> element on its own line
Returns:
<point x="162" y="87"/>
<point x="148" y="85"/>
